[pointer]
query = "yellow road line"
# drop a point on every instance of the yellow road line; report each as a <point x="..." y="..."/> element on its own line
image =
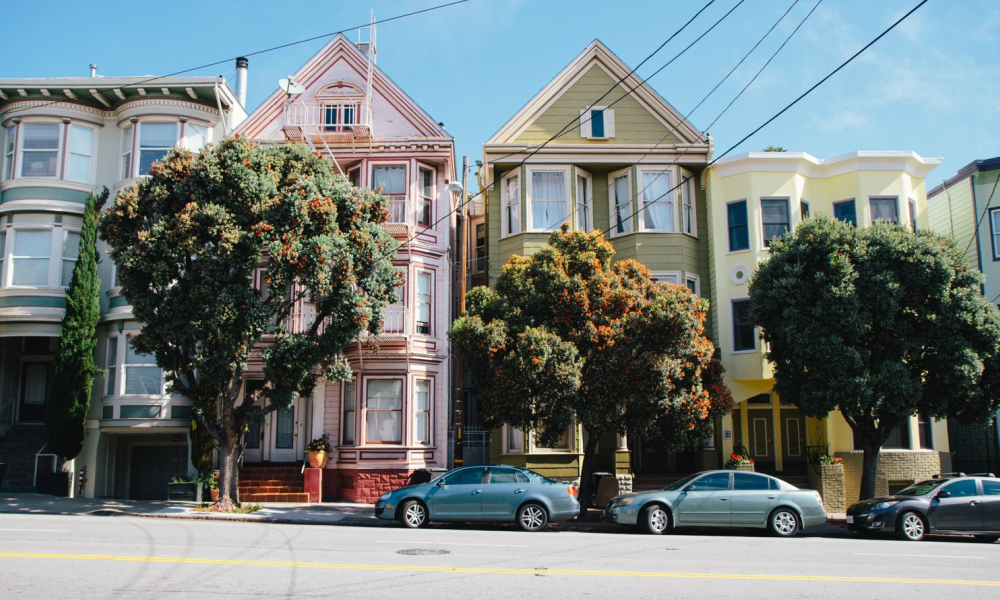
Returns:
<point x="489" y="571"/>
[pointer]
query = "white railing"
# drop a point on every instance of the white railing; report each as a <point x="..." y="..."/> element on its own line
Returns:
<point x="395" y="320"/>
<point x="306" y="115"/>
<point x="399" y="210"/>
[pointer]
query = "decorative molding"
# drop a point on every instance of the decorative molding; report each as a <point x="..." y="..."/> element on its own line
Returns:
<point x="164" y="102"/>
<point x="59" y="105"/>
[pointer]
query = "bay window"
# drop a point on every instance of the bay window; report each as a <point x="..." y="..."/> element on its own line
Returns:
<point x="584" y="201"/>
<point x="155" y="142"/>
<point x="70" y="253"/>
<point x="127" y="134"/>
<point x="40" y="149"/>
<point x="426" y="197"/>
<point x="687" y="204"/>
<point x="739" y="229"/>
<point x="111" y="368"/>
<point x="8" y="152"/>
<point x="775" y="218"/>
<point x="548" y="196"/>
<point x="657" y="200"/>
<point x="390" y="181"/>
<point x="384" y="411"/>
<point x="81" y="153"/>
<point x="845" y="211"/>
<point x="621" y="202"/>
<point x="142" y="376"/>
<point x="422" y="412"/>
<point x="511" y="198"/>
<point x="424" y="303"/>
<point x="883" y="209"/>
<point x="30" y="257"/>
<point x="195" y="137"/>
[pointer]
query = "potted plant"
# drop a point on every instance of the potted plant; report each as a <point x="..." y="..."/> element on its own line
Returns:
<point x="740" y="462"/>
<point x="183" y="489"/>
<point x="212" y="482"/>
<point x="317" y="451"/>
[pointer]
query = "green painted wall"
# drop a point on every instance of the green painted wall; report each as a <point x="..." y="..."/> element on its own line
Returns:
<point x="951" y="213"/>
<point x="987" y="196"/>
<point x="633" y="123"/>
<point x="42" y="193"/>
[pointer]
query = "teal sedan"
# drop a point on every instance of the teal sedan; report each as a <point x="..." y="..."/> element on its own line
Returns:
<point x="483" y="493"/>
<point x="721" y="499"/>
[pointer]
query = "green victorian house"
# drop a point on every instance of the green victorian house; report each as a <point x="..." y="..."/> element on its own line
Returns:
<point x="579" y="154"/>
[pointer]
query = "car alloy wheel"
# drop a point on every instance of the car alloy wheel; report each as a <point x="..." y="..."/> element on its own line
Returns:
<point x="912" y="527"/>
<point x="784" y="523"/>
<point x="655" y="519"/>
<point x="414" y="514"/>
<point x="532" y="517"/>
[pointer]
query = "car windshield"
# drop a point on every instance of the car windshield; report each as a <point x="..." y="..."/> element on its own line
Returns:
<point x="681" y="483"/>
<point x="921" y="488"/>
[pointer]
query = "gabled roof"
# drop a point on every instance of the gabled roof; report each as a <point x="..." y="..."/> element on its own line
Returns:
<point x="598" y="54"/>
<point x="312" y="72"/>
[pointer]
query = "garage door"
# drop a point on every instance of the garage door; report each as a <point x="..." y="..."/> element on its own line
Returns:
<point x="151" y="470"/>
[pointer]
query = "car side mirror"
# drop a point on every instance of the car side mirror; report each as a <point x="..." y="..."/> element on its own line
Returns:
<point x="689" y="488"/>
<point x="440" y="482"/>
<point x="945" y="494"/>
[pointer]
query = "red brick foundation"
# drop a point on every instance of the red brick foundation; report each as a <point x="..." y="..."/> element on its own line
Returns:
<point x="367" y="486"/>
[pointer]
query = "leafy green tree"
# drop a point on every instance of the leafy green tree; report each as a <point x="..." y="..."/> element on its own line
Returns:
<point x="774" y="149"/>
<point x="72" y="383"/>
<point x="879" y="322"/>
<point x="189" y="241"/>
<point x="568" y="334"/>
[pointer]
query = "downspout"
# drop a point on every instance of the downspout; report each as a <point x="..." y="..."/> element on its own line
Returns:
<point x="975" y="232"/>
<point x="222" y="114"/>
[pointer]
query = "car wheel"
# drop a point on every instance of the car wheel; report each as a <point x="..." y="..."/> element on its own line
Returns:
<point x="654" y="519"/>
<point x="413" y="514"/>
<point x="911" y="527"/>
<point x="783" y="522"/>
<point x="532" y="517"/>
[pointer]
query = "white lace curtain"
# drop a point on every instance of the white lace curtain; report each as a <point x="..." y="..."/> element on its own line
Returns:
<point x="548" y="200"/>
<point x="658" y="201"/>
<point x="384" y="410"/>
<point x="622" y="205"/>
<point x="513" y="205"/>
<point x="392" y="180"/>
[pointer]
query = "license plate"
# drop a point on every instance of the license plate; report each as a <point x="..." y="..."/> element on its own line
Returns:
<point x="850" y="519"/>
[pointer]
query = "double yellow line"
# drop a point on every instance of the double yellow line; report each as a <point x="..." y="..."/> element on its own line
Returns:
<point x="489" y="571"/>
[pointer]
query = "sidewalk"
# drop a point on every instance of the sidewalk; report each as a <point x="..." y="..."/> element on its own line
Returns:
<point x="326" y="513"/>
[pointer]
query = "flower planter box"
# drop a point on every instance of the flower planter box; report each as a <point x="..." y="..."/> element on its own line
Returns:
<point x="828" y="480"/>
<point x="317" y="460"/>
<point x="740" y="467"/>
<point x="189" y="491"/>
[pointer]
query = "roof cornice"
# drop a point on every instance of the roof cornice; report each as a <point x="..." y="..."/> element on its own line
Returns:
<point x="809" y="166"/>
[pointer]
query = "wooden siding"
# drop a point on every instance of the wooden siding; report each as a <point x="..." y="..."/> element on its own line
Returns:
<point x="952" y="214"/>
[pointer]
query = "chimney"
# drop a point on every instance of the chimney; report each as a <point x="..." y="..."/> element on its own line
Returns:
<point x="242" y="64"/>
<point x="93" y="70"/>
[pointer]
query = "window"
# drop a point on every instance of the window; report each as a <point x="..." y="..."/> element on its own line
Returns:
<point x="339" y="117"/>
<point x="991" y="487"/>
<point x="30" y="258"/>
<point x="480" y="247"/>
<point x="40" y="149"/>
<point x="195" y="137"/>
<point x="743" y="482"/>
<point x="562" y="444"/>
<point x="141" y="411"/>
<point x="962" y="488"/>
<point x="111" y="366"/>
<point x="470" y="476"/>
<point x="845" y="211"/>
<point x="803" y="210"/>
<point x="925" y="429"/>
<point x="350" y="412"/>
<point x="70" y="253"/>
<point x="657" y="200"/>
<point x="995" y="231"/>
<point x="354" y="176"/>
<point x="711" y="482"/>
<point x="739" y="230"/>
<point x="511" y="195"/>
<point x="621" y="198"/>
<point x="687" y="204"/>
<point x="383" y="416"/>
<point x="3" y="248"/>
<point x="515" y="440"/>
<point x="426" y="197"/>
<point x="547" y="198"/>
<point x="584" y="201"/>
<point x="81" y="151"/>
<point x="502" y="475"/>
<point x="391" y="181"/>
<point x="673" y="277"/>
<point x="127" y="133"/>
<point x="774" y="216"/>
<point x="8" y="152"/>
<point x="142" y="376"/>
<point x="155" y="142"/>
<point x="743" y="337"/>
<point x="422" y="410"/>
<point x="884" y="209"/>
<point x="394" y="320"/>
<point x="899" y="438"/>
<point x="424" y="303"/>
<point x="597" y="123"/>
<point x="693" y="284"/>
<point x="913" y="214"/>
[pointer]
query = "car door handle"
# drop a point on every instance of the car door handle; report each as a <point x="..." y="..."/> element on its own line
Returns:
<point x="518" y="491"/>
<point x="771" y="497"/>
<point x="723" y="499"/>
<point x="973" y="502"/>
<point x="477" y="491"/>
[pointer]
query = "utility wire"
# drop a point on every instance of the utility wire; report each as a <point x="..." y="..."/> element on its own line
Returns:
<point x="256" y="53"/>
<point x="986" y="209"/>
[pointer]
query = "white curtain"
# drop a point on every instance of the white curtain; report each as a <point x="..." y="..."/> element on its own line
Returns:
<point x="884" y="209"/>
<point x="513" y="205"/>
<point x="145" y="379"/>
<point x="392" y="180"/>
<point x="582" y="200"/>
<point x="658" y="201"/>
<point x="383" y="417"/>
<point x="33" y="244"/>
<point x="622" y="205"/>
<point x="423" y="408"/>
<point x="81" y="148"/>
<point x="548" y="200"/>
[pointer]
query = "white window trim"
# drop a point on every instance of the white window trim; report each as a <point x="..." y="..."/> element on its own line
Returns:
<point x="612" y="215"/>
<point x="672" y="198"/>
<point x="429" y="411"/>
<point x="588" y="202"/>
<point x="911" y="208"/>
<point x="568" y="183"/>
<point x="689" y="185"/>
<point x="363" y="412"/>
<point x="419" y="195"/>
<point x="586" y="129"/>
<point x="675" y="275"/>
<point x="62" y="253"/>
<point x="506" y="442"/>
<point x="54" y="275"/>
<point x="895" y="199"/>
<point x="60" y="149"/>
<point x="697" y="283"/>
<point x="123" y="356"/>
<point x="339" y="105"/>
<point x="122" y="174"/>
<point x="183" y="136"/>
<point x="534" y="448"/>
<point x="344" y="411"/>
<point x="995" y="233"/>
<point x="430" y="304"/>
<point x="729" y="237"/>
<point x="93" y="152"/>
<point x="760" y="213"/>
<point x="137" y="137"/>
<point x="409" y="208"/>
<point x="732" y="329"/>
<point x="116" y="392"/>
<point x="504" y="225"/>
<point x="9" y="132"/>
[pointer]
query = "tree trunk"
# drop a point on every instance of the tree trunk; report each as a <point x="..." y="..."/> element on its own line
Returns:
<point x="869" y="465"/>
<point x="587" y="474"/>
<point x="229" y="474"/>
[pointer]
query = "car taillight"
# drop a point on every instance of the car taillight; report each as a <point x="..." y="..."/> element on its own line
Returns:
<point x="571" y="490"/>
<point x="818" y="497"/>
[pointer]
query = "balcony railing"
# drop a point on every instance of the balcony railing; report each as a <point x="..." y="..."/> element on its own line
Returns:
<point x="395" y="320"/>
<point x="399" y="210"/>
<point x="315" y="119"/>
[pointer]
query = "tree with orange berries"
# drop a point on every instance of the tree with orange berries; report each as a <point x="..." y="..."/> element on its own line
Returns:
<point x="568" y="335"/>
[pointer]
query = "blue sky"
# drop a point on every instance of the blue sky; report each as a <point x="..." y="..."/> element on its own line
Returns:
<point x="927" y="86"/>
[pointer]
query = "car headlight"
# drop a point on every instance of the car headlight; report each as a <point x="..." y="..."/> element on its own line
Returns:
<point x="885" y="505"/>
<point x="624" y="502"/>
<point x="385" y="496"/>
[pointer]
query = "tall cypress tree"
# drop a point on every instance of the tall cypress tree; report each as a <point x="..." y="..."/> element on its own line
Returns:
<point x="66" y="410"/>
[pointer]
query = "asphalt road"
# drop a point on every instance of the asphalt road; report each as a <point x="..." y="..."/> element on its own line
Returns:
<point x="59" y="557"/>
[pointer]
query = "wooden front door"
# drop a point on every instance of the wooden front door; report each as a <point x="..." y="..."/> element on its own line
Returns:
<point x="760" y="437"/>
<point x="793" y="438"/>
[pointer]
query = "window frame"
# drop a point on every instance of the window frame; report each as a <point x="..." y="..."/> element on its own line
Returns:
<point x="137" y="142"/>
<point x="587" y="122"/>
<point x="571" y="433"/>
<point x="126" y="155"/>
<point x="401" y="410"/>
<point x="588" y="202"/>
<point x="417" y="303"/>
<point x="895" y="203"/>
<point x="9" y="152"/>
<point x="91" y="158"/>
<point x="509" y="435"/>
<point x="423" y="200"/>
<point x="911" y="207"/>
<point x="805" y="210"/>
<point x="766" y="241"/>
<point x="529" y="193"/>
<point x="125" y="366"/>
<point x="613" y="216"/>
<point x="730" y="227"/>
<point x="111" y="367"/>
<point x="54" y="246"/>
<point x="671" y="199"/>
<point x="408" y="215"/>
<point x="662" y="276"/>
<point x="340" y="125"/>
<point x="506" y="229"/>
<point x="59" y="150"/>
<point x="428" y="412"/>
<point x="689" y="199"/>
<point x="845" y="202"/>
<point x="62" y="258"/>
<point x="479" y="251"/>
<point x="349" y="406"/>
<point x="732" y="323"/>
<point x="692" y="278"/>
<point x="995" y="232"/>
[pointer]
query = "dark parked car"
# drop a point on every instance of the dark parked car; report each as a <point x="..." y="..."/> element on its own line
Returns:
<point x="948" y="503"/>
<point x="490" y="493"/>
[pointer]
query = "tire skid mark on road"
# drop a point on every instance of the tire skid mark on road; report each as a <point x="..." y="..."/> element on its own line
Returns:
<point x="502" y="571"/>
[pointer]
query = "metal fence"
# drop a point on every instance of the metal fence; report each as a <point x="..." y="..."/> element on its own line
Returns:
<point x="476" y="444"/>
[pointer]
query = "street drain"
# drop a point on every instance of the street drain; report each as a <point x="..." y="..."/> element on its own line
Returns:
<point x="421" y="552"/>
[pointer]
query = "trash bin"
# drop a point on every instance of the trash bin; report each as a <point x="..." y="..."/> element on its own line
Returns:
<point x="599" y="488"/>
<point x="425" y="475"/>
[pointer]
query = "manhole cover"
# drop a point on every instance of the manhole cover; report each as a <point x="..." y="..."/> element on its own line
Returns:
<point x="421" y="552"/>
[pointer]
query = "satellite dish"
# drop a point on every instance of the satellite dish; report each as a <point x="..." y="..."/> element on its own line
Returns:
<point x="291" y="87"/>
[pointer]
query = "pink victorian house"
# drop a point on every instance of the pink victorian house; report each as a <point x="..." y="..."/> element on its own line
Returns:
<point x="392" y="419"/>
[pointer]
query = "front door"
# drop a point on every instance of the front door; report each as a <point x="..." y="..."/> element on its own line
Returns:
<point x="276" y="437"/>
<point x="962" y="510"/>
<point x="253" y="439"/>
<point x="793" y="438"/>
<point x="458" y="495"/>
<point x="705" y="501"/>
<point x="504" y="492"/>
<point x="760" y="437"/>
<point x="35" y="384"/>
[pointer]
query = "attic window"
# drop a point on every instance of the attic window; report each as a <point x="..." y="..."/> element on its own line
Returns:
<point x="597" y="123"/>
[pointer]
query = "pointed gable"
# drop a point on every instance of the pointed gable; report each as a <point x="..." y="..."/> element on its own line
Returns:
<point x="640" y="117"/>
<point x="341" y="69"/>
